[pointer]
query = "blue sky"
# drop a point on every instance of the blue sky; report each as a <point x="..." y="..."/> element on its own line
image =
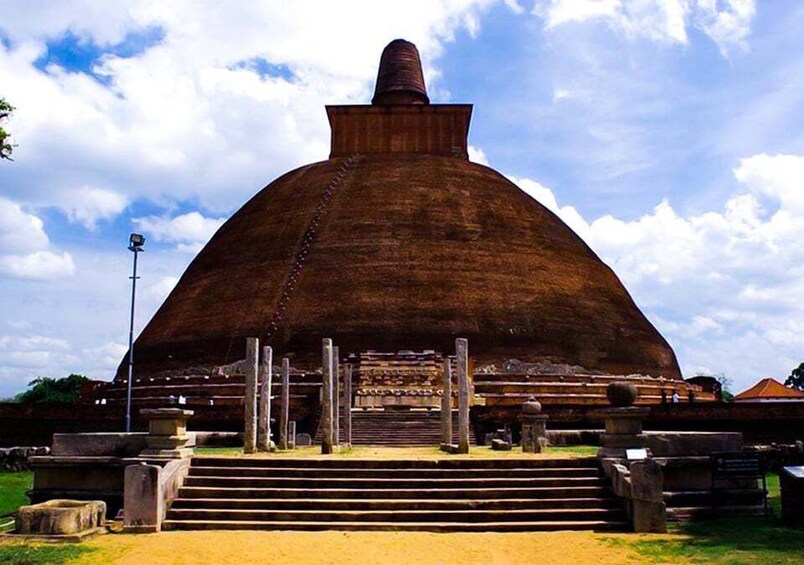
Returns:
<point x="667" y="133"/>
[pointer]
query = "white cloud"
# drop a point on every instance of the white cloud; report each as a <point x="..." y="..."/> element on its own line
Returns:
<point x="726" y="22"/>
<point x="725" y="286"/>
<point x="20" y="232"/>
<point x="88" y="206"/>
<point x="477" y="155"/>
<point x="25" y="247"/>
<point x="191" y="118"/>
<point x="160" y="289"/>
<point x="189" y="231"/>
<point x="37" y="265"/>
<point x="780" y="177"/>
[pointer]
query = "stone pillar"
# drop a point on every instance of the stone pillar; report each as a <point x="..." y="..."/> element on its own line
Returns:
<point x="292" y="434"/>
<point x="142" y="499"/>
<point x="336" y="396"/>
<point x="326" y="396"/>
<point x="347" y="405"/>
<point x="284" y="407"/>
<point x="534" y="432"/>
<point x="649" y="511"/>
<point x="446" y="406"/>
<point x="264" y="419"/>
<point x="462" y="353"/>
<point x="250" y="399"/>
<point x="167" y="433"/>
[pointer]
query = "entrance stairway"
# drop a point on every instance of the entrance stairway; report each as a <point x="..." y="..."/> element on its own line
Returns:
<point x="402" y="495"/>
<point x="398" y="428"/>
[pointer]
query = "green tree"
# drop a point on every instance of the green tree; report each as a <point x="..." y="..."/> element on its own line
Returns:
<point x="725" y="387"/>
<point x="46" y="390"/>
<point x="6" y="148"/>
<point x="796" y="378"/>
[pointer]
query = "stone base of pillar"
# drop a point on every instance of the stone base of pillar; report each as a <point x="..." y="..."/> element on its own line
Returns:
<point x="623" y="431"/>
<point x="450" y="448"/>
<point x="167" y="433"/>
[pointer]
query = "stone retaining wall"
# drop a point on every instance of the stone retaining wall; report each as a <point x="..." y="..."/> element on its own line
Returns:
<point x="16" y="458"/>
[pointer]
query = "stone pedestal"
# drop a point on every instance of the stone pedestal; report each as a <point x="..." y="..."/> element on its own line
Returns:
<point x="167" y="433"/>
<point x="623" y="431"/>
<point x="534" y="427"/>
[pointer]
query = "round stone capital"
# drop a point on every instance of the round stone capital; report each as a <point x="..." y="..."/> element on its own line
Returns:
<point x="531" y="406"/>
<point x="621" y="393"/>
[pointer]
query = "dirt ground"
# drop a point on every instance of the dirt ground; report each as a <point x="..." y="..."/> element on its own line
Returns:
<point x="324" y="548"/>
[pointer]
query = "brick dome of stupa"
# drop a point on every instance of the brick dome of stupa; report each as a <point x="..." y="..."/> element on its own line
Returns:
<point x="398" y="241"/>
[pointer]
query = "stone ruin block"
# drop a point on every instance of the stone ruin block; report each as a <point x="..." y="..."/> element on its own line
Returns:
<point x="61" y="518"/>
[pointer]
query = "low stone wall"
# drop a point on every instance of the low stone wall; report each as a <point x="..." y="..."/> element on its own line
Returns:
<point x="16" y="458"/>
<point x="760" y="423"/>
<point x="765" y="423"/>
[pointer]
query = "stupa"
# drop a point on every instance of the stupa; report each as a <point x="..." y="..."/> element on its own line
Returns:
<point x="398" y="242"/>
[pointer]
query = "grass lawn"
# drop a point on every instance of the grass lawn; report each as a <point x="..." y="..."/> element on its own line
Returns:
<point x="12" y="490"/>
<point x="21" y="553"/>
<point x="733" y="541"/>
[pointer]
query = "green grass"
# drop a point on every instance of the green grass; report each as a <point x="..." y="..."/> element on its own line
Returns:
<point x="12" y="490"/>
<point x="728" y="541"/>
<point x="22" y="553"/>
<point x="576" y="450"/>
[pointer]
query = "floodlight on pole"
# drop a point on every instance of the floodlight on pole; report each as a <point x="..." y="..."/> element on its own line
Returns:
<point x="136" y="243"/>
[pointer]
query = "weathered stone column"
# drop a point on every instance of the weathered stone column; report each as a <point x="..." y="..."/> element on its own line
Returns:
<point x="292" y="434"/>
<point x="284" y="407"/>
<point x="250" y="398"/>
<point x="326" y="396"/>
<point x="446" y="406"/>
<point x="264" y="420"/>
<point x="347" y="405"/>
<point x="336" y="396"/>
<point x="462" y="352"/>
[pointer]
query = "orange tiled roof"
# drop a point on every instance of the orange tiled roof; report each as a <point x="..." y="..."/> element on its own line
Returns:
<point x="769" y="388"/>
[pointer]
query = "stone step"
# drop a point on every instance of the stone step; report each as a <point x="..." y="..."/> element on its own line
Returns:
<point x="704" y="512"/>
<point x="455" y="463"/>
<point x="388" y="483"/>
<point x="336" y="504"/>
<point x="480" y="493"/>
<point x="304" y="472"/>
<point x="471" y="516"/>
<point x="535" y="526"/>
<point x="701" y="498"/>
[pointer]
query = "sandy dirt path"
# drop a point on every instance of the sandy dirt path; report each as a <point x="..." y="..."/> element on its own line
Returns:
<point x="324" y="548"/>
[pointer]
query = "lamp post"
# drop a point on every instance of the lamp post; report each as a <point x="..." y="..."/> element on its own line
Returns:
<point x="136" y="242"/>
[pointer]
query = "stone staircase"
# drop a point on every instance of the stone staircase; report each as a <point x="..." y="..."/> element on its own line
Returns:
<point x="402" y="495"/>
<point x="398" y="428"/>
